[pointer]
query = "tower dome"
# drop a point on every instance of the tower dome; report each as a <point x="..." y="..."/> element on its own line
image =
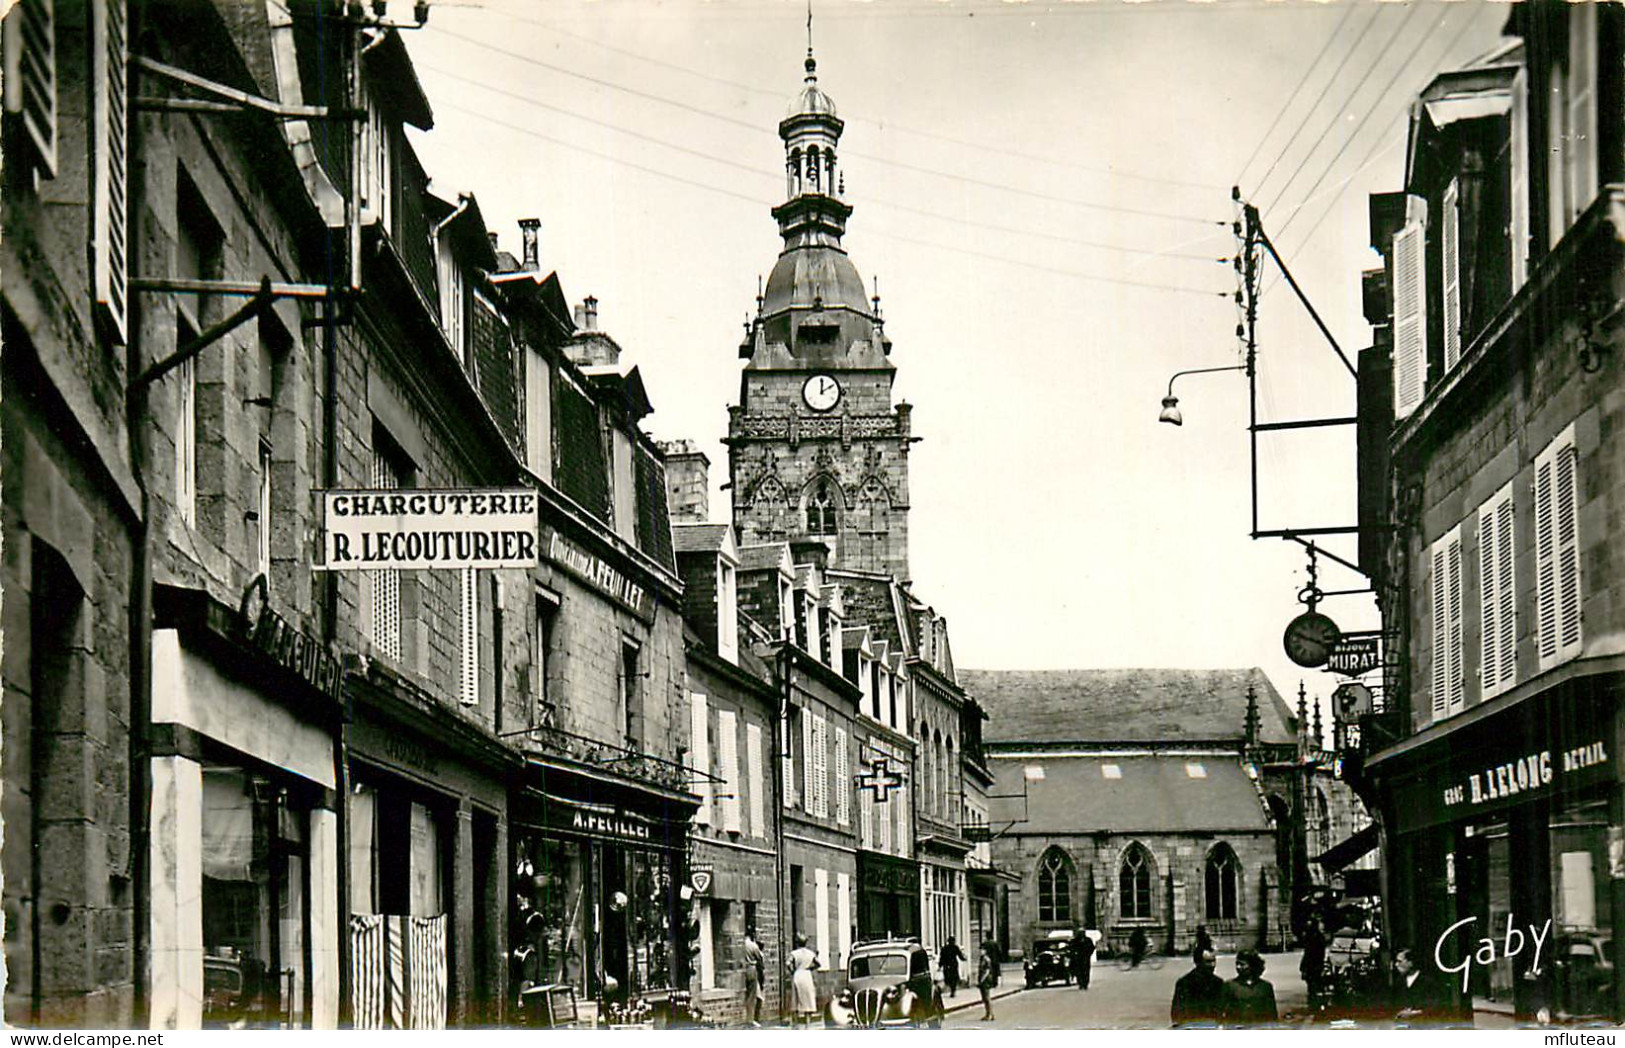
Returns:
<point x="811" y="100"/>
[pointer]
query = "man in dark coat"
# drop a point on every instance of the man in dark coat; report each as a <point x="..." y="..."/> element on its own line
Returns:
<point x="1204" y="941"/>
<point x="1082" y="957"/>
<point x="948" y="959"/>
<point x="1418" y="999"/>
<point x="1199" y="993"/>
<point x="1249" y="999"/>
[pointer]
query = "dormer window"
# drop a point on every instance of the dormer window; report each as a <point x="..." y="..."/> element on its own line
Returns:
<point x="727" y="611"/>
<point x="453" y="300"/>
<point x="376" y="183"/>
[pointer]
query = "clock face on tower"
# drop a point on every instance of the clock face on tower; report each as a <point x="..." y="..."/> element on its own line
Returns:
<point x="821" y="392"/>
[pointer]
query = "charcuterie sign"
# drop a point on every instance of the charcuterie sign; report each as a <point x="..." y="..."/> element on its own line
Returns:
<point x="429" y="529"/>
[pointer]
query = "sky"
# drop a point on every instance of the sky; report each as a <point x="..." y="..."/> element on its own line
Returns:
<point x="1042" y="191"/>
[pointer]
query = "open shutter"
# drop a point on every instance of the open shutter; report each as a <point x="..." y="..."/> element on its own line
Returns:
<point x="1566" y="497"/>
<point x="809" y="788"/>
<point x="821" y="766"/>
<point x="1582" y="114"/>
<point x="1450" y="263"/>
<point x="1497" y="628"/>
<point x="1557" y="552"/>
<point x="728" y="767"/>
<point x="821" y="914"/>
<point x="109" y="204"/>
<point x="1410" y="329"/>
<point x="843" y="918"/>
<point x="29" y="36"/>
<point x="758" y="783"/>
<point x="1518" y="206"/>
<point x="700" y="754"/>
<point x="1456" y="686"/>
<point x="843" y="780"/>
<point x="469" y="619"/>
<point x="1440" y="621"/>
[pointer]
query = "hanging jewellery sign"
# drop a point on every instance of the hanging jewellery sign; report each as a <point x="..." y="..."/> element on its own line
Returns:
<point x="429" y="529"/>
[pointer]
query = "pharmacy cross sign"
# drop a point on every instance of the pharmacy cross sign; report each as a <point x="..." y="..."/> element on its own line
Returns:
<point x="880" y="779"/>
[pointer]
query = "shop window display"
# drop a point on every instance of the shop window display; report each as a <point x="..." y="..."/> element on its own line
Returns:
<point x="255" y="902"/>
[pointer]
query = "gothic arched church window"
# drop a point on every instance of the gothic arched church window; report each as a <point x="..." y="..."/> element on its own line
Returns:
<point x="823" y="511"/>
<point x="1054" y="887"/>
<point x="1134" y="883"/>
<point x="1223" y="874"/>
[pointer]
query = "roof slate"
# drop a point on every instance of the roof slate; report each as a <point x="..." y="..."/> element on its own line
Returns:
<point x="1125" y="705"/>
<point x="698" y="538"/>
<point x="1154" y="795"/>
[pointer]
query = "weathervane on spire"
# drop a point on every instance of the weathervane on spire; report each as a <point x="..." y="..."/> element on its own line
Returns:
<point x="812" y="65"/>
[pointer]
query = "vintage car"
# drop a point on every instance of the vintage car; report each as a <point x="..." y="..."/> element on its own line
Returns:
<point x="1584" y="971"/>
<point x="1050" y="959"/>
<point x="889" y="983"/>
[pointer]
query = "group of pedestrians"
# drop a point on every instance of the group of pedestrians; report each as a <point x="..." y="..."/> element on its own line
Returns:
<point x="987" y="971"/>
<point x="1203" y="998"/>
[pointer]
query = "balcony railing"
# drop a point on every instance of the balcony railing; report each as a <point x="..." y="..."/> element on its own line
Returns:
<point x="623" y="761"/>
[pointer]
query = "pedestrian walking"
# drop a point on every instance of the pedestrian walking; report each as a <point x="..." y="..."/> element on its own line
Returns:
<point x="948" y="959"/>
<point x="1199" y="993"/>
<point x="803" y="991"/>
<point x="1082" y="957"/>
<point x="987" y="977"/>
<point x="1204" y="941"/>
<point x="1137" y="943"/>
<point x="755" y="976"/>
<point x="1313" y="965"/>
<point x="1249" y="999"/>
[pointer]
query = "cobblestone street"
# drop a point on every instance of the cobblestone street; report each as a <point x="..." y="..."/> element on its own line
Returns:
<point x="1119" y="999"/>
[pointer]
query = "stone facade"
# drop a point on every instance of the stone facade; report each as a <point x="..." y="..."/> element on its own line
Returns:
<point x="1178" y="897"/>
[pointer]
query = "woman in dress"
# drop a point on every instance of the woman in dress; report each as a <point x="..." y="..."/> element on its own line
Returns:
<point x="803" y="991"/>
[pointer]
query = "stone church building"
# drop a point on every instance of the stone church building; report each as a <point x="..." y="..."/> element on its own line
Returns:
<point x="1125" y="799"/>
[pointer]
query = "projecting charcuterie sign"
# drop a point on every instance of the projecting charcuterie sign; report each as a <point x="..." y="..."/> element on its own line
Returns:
<point x="433" y="529"/>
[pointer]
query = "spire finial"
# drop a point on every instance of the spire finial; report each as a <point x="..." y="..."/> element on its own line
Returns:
<point x="812" y="63"/>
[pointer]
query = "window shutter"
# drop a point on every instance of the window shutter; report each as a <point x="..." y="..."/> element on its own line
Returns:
<point x="728" y="767"/>
<point x="1456" y="686"/>
<point x="1518" y="207"/>
<point x="843" y="918"/>
<point x="108" y="179"/>
<point x="1506" y="590"/>
<point x="1582" y="114"/>
<point x="1497" y="604"/>
<point x="708" y="960"/>
<point x="821" y="914"/>
<point x="808" y="788"/>
<point x="758" y="784"/>
<point x="866" y="820"/>
<point x="700" y="755"/>
<point x="1410" y="329"/>
<point x="821" y="766"/>
<point x="1568" y="548"/>
<point x="1450" y="244"/>
<point x="1440" y="621"/>
<point x="787" y="765"/>
<point x="1557" y="552"/>
<point x="843" y="778"/>
<point x="469" y="685"/>
<point x="386" y="582"/>
<point x="30" y="76"/>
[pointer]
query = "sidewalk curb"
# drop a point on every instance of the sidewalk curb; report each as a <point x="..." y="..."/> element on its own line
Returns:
<point x="972" y="1002"/>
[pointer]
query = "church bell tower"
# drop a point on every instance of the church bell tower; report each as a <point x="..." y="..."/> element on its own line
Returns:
<point x="817" y="450"/>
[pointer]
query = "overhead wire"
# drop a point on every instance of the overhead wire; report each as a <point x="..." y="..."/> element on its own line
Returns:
<point x="1313" y="106"/>
<point x="1293" y="94"/>
<point x="1466" y="23"/>
<point x="724" y="191"/>
<point x="1172" y="251"/>
<point x="885" y="125"/>
<point x="1404" y="66"/>
<point x="1337" y="113"/>
<point x="902" y="165"/>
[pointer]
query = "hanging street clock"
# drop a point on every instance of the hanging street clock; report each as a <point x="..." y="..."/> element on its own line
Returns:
<point x="1310" y="638"/>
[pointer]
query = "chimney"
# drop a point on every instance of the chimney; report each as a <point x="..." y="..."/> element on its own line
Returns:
<point x="688" y="483"/>
<point x="492" y="237"/>
<point x="589" y="309"/>
<point x="811" y="551"/>
<point x="530" y="235"/>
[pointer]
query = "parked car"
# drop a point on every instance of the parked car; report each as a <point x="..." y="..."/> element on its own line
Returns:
<point x="889" y="983"/>
<point x="1584" y="970"/>
<point x="1050" y="959"/>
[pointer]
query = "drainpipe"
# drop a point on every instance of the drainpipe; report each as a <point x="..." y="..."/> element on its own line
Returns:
<point x="140" y="622"/>
<point x="781" y="727"/>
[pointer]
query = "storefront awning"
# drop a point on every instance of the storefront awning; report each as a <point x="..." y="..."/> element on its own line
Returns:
<point x="1349" y="850"/>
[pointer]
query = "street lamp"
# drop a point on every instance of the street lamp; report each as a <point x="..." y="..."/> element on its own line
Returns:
<point x="1170" y="403"/>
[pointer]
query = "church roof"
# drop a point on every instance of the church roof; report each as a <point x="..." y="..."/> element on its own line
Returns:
<point x="1140" y="794"/>
<point x="1125" y="705"/>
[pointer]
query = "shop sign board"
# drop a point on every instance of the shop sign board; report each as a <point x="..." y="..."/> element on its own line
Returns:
<point x="609" y="822"/>
<point x="701" y="877"/>
<point x="597" y="573"/>
<point x="285" y="644"/>
<point x="1519" y="771"/>
<point x="424" y="529"/>
<point x="1356" y="654"/>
